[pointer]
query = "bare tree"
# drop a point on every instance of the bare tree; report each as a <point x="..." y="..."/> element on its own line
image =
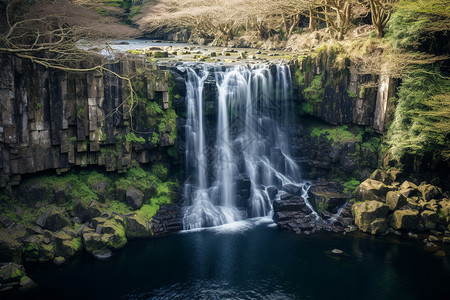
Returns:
<point x="381" y="12"/>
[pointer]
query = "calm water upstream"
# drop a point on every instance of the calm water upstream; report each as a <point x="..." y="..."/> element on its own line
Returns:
<point x="250" y="260"/>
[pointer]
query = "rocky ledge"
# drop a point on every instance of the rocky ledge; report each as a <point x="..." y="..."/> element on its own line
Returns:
<point x="57" y="238"/>
<point x="292" y="212"/>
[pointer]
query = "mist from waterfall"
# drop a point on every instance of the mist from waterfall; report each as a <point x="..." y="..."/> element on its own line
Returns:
<point x="247" y="163"/>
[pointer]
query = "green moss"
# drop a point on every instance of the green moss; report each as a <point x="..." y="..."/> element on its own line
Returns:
<point x="307" y="108"/>
<point x="80" y="114"/>
<point x="132" y="138"/>
<point x="351" y="185"/>
<point x="351" y="95"/>
<point x="73" y="139"/>
<point x="337" y="134"/>
<point x="154" y="138"/>
<point x="38" y="106"/>
<point x="315" y="92"/>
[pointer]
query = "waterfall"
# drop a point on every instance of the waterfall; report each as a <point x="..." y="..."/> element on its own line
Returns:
<point x="248" y="161"/>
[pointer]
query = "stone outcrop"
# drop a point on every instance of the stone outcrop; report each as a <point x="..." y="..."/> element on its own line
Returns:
<point x="54" y="120"/>
<point x="404" y="207"/>
<point x="370" y="216"/>
<point x="331" y="88"/>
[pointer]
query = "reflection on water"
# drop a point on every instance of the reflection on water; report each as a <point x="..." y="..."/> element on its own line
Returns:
<point x="250" y="260"/>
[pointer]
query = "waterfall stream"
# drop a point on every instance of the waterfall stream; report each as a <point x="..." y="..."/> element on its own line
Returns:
<point x="237" y="171"/>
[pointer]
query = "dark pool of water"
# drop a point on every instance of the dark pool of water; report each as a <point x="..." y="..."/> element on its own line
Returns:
<point x="250" y="260"/>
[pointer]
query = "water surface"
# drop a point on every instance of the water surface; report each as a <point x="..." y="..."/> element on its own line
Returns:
<point x="250" y="260"/>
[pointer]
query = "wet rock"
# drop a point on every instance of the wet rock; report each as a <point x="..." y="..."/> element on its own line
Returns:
<point x="134" y="198"/>
<point x="370" y="216"/>
<point x="272" y="192"/>
<point x="102" y="254"/>
<point x="59" y="260"/>
<point x="405" y="219"/>
<point x="167" y="220"/>
<point x="395" y="200"/>
<point x="337" y="252"/>
<point x="370" y="190"/>
<point x="25" y="281"/>
<point x="53" y="219"/>
<point x="431" y="247"/>
<point x="292" y="189"/>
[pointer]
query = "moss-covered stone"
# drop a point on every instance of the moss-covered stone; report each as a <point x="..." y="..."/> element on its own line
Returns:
<point x="138" y="226"/>
<point x="371" y="190"/>
<point x="370" y="216"/>
<point x="405" y="219"/>
<point x="395" y="200"/>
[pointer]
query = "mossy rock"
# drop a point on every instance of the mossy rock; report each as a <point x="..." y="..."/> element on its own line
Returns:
<point x="53" y="219"/>
<point x="395" y="200"/>
<point x="138" y="226"/>
<point x="429" y="191"/>
<point x="407" y="219"/>
<point x="370" y="216"/>
<point x="429" y="219"/>
<point x="11" y="272"/>
<point x="38" y="249"/>
<point x="381" y="176"/>
<point x="66" y="245"/>
<point x="371" y="190"/>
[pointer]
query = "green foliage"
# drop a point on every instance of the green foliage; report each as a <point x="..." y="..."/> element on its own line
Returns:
<point x="132" y="138"/>
<point x="73" y="139"/>
<point x="154" y="139"/>
<point x="315" y="92"/>
<point x="160" y="171"/>
<point x="351" y="95"/>
<point x="338" y="134"/>
<point x="351" y="185"/>
<point x="80" y="114"/>
<point x="422" y="118"/>
<point x="38" y="106"/>
<point x="415" y="22"/>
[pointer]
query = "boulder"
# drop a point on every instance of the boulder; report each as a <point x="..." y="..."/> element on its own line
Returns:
<point x="59" y="260"/>
<point x="370" y="190"/>
<point x="395" y="200"/>
<point x="431" y="247"/>
<point x="11" y="272"/>
<point x="134" y="198"/>
<point x="79" y="210"/>
<point x="10" y="248"/>
<point x="429" y="191"/>
<point x="6" y="222"/>
<point x="53" y="219"/>
<point x="138" y="226"/>
<point x="38" y="249"/>
<point x="66" y="245"/>
<point x="370" y="216"/>
<point x="272" y="192"/>
<point x="100" y="188"/>
<point x="429" y="219"/>
<point x="408" y="185"/>
<point x="293" y="189"/>
<point x="381" y="176"/>
<point x="112" y="237"/>
<point x="405" y="219"/>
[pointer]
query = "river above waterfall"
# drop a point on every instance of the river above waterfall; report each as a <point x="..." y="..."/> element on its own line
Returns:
<point x="249" y="259"/>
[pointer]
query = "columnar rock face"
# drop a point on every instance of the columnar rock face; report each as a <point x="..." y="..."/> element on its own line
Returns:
<point x="53" y="120"/>
<point x="332" y="89"/>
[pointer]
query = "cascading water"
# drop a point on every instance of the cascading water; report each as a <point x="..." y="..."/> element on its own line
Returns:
<point x="249" y="161"/>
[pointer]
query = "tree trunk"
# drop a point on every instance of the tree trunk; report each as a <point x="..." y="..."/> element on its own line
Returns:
<point x="311" y="20"/>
